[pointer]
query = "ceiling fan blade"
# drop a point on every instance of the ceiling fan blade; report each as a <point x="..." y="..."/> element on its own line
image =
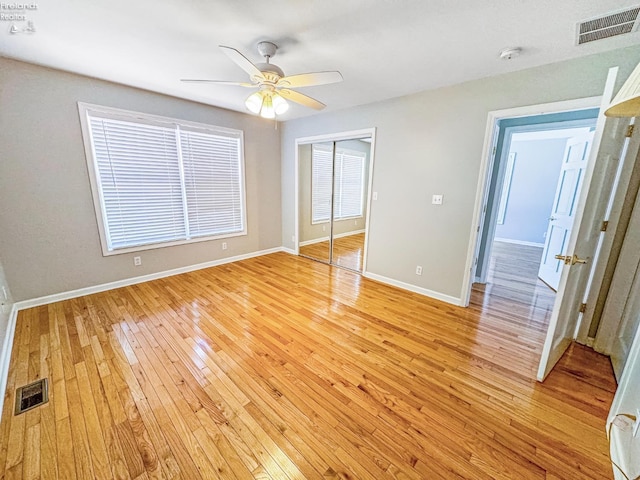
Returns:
<point x="300" y="98"/>
<point x="242" y="61"/>
<point x="218" y="82"/>
<point x="310" y="79"/>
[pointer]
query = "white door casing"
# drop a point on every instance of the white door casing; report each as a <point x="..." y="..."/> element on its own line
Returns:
<point x="574" y="164"/>
<point x="608" y="143"/>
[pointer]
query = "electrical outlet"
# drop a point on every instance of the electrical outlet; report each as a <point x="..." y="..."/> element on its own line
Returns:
<point x="418" y="270"/>
<point x="355" y="222"/>
<point x="324" y="228"/>
<point x="375" y="195"/>
<point x="224" y="245"/>
<point x="436" y="199"/>
<point x="137" y="261"/>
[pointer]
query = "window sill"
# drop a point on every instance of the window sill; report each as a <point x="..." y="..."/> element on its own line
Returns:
<point x="140" y="248"/>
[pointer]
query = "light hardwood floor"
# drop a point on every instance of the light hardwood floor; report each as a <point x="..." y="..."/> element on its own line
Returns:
<point x="348" y="251"/>
<point x="513" y="278"/>
<point x="280" y="367"/>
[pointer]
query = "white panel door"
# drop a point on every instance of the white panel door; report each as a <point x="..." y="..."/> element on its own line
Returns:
<point x="574" y="163"/>
<point x="626" y="278"/>
<point x="628" y="329"/>
<point x="607" y="149"/>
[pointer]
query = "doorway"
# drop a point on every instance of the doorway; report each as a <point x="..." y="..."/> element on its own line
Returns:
<point x="537" y="177"/>
<point x="334" y="174"/>
<point x="531" y="198"/>
<point x="590" y="245"/>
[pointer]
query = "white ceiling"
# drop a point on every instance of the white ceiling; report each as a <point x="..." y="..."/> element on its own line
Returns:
<point x="384" y="48"/>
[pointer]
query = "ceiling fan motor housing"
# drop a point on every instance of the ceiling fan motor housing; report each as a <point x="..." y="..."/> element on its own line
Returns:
<point x="270" y="68"/>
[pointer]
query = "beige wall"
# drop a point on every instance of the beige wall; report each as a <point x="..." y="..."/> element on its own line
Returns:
<point x="431" y="143"/>
<point x="310" y="231"/>
<point x="49" y="239"/>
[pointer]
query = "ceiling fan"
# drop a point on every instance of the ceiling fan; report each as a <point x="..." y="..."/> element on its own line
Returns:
<point x="273" y="86"/>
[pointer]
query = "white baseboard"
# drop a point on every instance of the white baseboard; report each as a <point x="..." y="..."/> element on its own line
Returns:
<point x="57" y="297"/>
<point x="315" y="240"/>
<point x="348" y="234"/>
<point x="5" y="355"/>
<point x="519" y="242"/>
<point x="290" y="251"/>
<point x="325" y="239"/>
<point x="413" y="288"/>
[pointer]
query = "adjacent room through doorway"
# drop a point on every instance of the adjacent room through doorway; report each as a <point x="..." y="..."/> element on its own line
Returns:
<point x="538" y="171"/>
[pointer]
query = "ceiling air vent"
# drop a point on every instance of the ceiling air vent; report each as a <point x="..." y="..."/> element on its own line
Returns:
<point x="608" y="26"/>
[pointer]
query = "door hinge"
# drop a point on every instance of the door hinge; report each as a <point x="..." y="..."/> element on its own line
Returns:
<point x="630" y="129"/>
<point x="495" y="148"/>
<point x="583" y="307"/>
<point x="605" y="225"/>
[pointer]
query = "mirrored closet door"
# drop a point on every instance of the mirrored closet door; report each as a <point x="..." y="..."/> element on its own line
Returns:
<point x="333" y="188"/>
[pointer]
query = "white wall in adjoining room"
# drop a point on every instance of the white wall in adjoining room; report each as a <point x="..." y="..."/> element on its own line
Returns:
<point x="431" y="143"/>
<point x="532" y="189"/>
<point x="49" y="240"/>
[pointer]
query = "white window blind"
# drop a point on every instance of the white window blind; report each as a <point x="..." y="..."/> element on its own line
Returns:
<point x="162" y="183"/>
<point x="321" y="167"/>
<point x="212" y="183"/>
<point x="348" y="185"/>
<point x="349" y="181"/>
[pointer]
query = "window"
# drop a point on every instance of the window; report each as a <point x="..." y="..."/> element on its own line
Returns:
<point x="158" y="181"/>
<point x="348" y="184"/>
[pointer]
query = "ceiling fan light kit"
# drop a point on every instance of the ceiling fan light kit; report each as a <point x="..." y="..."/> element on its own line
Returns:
<point x="273" y="85"/>
<point x="266" y="104"/>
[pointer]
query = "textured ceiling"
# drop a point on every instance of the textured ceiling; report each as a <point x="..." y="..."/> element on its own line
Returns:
<point x="384" y="48"/>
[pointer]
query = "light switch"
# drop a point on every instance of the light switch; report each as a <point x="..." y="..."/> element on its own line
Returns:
<point x="436" y="200"/>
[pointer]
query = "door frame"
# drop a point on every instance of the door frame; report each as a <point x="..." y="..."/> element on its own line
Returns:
<point x="486" y="168"/>
<point x="336" y="137"/>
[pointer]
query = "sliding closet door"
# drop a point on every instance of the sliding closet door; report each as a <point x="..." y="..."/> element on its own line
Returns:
<point x="315" y="190"/>
<point x="350" y="183"/>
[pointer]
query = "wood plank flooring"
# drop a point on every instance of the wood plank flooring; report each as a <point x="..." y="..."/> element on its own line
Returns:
<point x="348" y="251"/>
<point x="513" y="277"/>
<point x="279" y="367"/>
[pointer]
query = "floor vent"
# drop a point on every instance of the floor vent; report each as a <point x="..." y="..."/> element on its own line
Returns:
<point x="610" y="25"/>
<point x="32" y="395"/>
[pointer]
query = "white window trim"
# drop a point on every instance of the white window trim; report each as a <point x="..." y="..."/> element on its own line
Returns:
<point x="85" y="109"/>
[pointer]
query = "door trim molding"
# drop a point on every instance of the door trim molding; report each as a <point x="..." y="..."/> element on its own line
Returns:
<point x="486" y="166"/>
<point x="335" y="137"/>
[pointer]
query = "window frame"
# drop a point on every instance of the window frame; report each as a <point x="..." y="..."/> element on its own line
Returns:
<point x="85" y="109"/>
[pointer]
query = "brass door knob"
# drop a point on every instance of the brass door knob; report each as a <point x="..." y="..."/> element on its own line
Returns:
<point x="570" y="260"/>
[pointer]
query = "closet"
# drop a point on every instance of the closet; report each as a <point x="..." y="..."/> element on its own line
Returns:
<point x="333" y="189"/>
